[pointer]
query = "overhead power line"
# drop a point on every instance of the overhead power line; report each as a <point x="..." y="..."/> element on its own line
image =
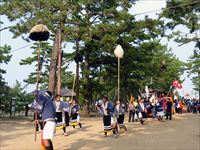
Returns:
<point x="21" y="48"/>
<point x="147" y="12"/>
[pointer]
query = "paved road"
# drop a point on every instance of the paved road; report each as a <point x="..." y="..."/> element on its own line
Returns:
<point x="181" y="133"/>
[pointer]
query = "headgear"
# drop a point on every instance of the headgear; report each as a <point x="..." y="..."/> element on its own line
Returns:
<point x="48" y="94"/>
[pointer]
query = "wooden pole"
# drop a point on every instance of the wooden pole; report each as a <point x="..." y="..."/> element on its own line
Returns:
<point x="73" y="85"/>
<point x="37" y="86"/>
<point x="38" y="68"/>
<point x="118" y="94"/>
<point x="77" y="72"/>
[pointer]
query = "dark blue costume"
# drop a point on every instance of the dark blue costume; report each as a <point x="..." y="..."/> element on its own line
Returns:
<point x="44" y="106"/>
<point x="48" y="110"/>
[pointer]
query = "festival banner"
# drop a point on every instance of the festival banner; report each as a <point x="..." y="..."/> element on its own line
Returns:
<point x="176" y="84"/>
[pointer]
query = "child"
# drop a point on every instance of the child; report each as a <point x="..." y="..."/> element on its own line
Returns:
<point x="119" y="113"/>
<point x="66" y="110"/>
<point x="142" y="110"/>
<point x="75" y="114"/>
<point x="59" y="106"/>
<point x="160" y="112"/>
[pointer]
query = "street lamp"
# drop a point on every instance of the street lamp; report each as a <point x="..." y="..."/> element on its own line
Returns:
<point x="119" y="52"/>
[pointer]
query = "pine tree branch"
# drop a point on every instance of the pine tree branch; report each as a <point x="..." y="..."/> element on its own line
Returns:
<point x="5" y="28"/>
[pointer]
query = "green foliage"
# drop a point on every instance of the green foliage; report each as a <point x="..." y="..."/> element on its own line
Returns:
<point x="168" y="69"/>
<point x="17" y="93"/>
<point x="193" y="68"/>
<point x="45" y="52"/>
<point x="183" y="13"/>
<point x="5" y="57"/>
<point x="186" y="13"/>
<point x="98" y="26"/>
<point x="21" y="99"/>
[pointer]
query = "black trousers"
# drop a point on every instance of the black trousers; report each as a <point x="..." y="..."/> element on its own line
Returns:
<point x="67" y="118"/>
<point x="120" y="119"/>
<point x="40" y="123"/>
<point x="169" y="114"/>
<point x="59" y="116"/>
<point x="74" y="116"/>
<point x="131" y="115"/>
<point x="107" y="120"/>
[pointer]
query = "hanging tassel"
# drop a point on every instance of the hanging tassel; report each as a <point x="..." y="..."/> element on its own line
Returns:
<point x="39" y="32"/>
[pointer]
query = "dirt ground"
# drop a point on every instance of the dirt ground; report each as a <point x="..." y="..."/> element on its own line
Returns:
<point x="180" y="133"/>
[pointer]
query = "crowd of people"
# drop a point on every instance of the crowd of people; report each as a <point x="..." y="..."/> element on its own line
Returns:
<point x="53" y="112"/>
<point x="160" y="107"/>
<point x="193" y="105"/>
<point x="156" y="107"/>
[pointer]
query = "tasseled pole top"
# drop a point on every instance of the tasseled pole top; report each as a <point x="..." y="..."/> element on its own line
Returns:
<point x="39" y="32"/>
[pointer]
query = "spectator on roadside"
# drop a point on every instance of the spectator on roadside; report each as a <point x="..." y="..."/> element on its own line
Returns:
<point x="131" y="110"/>
<point x="169" y="109"/>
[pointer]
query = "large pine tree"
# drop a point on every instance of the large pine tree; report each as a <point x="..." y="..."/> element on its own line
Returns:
<point x="98" y="27"/>
<point x="186" y="13"/>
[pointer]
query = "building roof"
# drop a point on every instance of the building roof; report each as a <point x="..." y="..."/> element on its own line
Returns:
<point x="65" y="92"/>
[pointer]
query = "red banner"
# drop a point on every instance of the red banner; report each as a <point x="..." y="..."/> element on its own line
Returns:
<point x="176" y="84"/>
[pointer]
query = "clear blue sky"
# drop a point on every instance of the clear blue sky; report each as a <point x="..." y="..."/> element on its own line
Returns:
<point x="17" y="72"/>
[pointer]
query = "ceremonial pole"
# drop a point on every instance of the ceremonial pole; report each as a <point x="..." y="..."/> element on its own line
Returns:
<point x="119" y="52"/>
<point x="38" y="33"/>
<point x="118" y="80"/>
<point x="38" y="68"/>
<point x="74" y="80"/>
<point x="78" y="59"/>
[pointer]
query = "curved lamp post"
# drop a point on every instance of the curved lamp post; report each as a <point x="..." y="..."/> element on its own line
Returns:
<point x="119" y="52"/>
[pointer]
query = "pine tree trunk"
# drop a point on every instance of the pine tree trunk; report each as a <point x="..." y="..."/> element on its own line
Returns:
<point x="77" y="71"/>
<point x="87" y="93"/>
<point x="54" y="60"/>
<point x="59" y="69"/>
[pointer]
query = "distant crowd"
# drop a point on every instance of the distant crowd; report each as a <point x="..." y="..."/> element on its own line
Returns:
<point x="159" y="107"/>
<point x="52" y="112"/>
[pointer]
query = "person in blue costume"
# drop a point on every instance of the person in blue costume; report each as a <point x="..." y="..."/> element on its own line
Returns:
<point x="66" y="110"/>
<point x="142" y="110"/>
<point x="159" y="109"/>
<point x="75" y="117"/>
<point x="119" y="112"/>
<point x="62" y="116"/>
<point x="107" y="110"/>
<point x="46" y="108"/>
